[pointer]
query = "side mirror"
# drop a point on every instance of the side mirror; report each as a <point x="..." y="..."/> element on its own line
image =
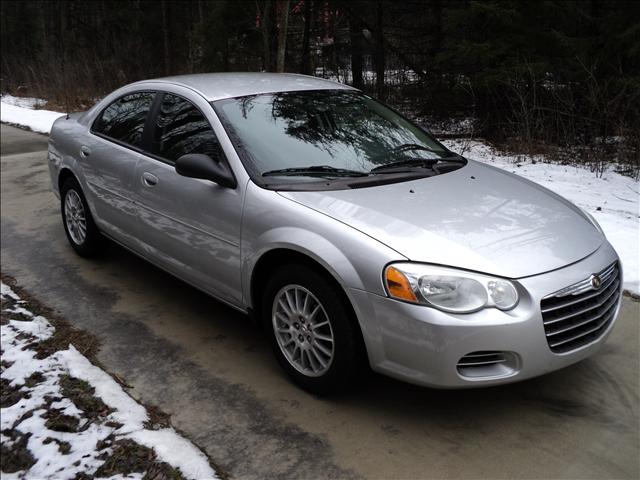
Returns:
<point x="199" y="165"/>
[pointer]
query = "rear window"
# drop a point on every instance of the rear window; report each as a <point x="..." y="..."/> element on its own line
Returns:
<point x="124" y="119"/>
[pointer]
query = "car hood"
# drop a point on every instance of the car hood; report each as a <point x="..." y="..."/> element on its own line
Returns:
<point x="478" y="218"/>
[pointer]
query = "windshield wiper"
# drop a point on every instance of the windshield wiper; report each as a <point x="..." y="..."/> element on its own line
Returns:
<point x="316" y="171"/>
<point x="411" y="146"/>
<point x="407" y="164"/>
<point x="405" y="147"/>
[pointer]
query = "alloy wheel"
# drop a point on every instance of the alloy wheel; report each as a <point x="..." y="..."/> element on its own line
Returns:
<point x="75" y="217"/>
<point x="303" y="330"/>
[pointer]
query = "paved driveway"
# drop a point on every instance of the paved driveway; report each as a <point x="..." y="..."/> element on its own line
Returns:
<point x="210" y="368"/>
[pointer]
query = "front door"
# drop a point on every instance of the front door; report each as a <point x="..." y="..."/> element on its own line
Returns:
<point x="189" y="226"/>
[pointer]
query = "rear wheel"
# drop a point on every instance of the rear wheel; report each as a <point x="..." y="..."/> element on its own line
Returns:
<point x="312" y="333"/>
<point x="81" y="230"/>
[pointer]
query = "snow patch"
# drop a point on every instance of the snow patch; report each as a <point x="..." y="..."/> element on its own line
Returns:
<point x="23" y="102"/>
<point x="127" y="411"/>
<point x="175" y="450"/>
<point x="29" y="414"/>
<point x="20" y="111"/>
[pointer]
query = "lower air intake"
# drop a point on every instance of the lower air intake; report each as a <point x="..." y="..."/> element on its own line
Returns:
<point x="487" y="363"/>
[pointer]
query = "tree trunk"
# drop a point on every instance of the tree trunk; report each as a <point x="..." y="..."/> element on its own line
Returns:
<point x="266" y="36"/>
<point x="436" y="25"/>
<point x="165" y="39"/>
<point x="355" y="37"/>
<point x="378" y="52"/>
<point x="305" y="62"/>
<point x="283" y="20"/>
<point x="226" y="56"/>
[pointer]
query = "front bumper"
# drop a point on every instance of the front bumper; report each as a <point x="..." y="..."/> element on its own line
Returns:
<point x="423" y="345"/>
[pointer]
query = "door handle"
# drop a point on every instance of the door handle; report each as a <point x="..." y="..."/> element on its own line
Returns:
<point x="85" y="151"/>
<point x="149" y="180"/>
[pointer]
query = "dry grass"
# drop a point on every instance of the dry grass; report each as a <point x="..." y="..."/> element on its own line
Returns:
<point x="127" y="457"/>
<point x="17" y="456"/>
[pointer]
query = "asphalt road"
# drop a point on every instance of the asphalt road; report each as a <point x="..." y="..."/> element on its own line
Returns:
<point x="210" y="368"/>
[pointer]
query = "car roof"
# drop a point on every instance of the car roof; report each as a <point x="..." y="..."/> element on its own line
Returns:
<point x="217" y="86"/>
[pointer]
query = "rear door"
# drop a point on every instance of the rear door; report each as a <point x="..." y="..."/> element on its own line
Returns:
<point x="109" y="158"/>
<point x="189" y="226"/>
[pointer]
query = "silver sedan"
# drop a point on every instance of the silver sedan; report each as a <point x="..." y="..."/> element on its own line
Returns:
<point x="348" y="231"/>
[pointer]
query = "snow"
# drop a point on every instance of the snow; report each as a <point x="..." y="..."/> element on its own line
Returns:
<point x="173" y="449"/>
<point x="16" y="336"/>
<point x="612" y="199"/>
<point x="20" y="111"/>
<point x="23" y="102"/>
<point x="131" y="414"/>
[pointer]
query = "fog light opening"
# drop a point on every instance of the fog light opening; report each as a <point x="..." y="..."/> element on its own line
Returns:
<point x="488" y="364"/>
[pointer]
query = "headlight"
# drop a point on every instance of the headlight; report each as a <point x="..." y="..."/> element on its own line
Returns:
<point x="448" y="289"/>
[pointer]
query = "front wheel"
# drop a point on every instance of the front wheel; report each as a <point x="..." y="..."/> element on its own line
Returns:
<point x="313" y="334"/>
<point x="81" y="230"/>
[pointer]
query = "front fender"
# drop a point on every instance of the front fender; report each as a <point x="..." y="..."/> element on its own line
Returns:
<point x="271" y="221"/>
<point x="309" y="244"/>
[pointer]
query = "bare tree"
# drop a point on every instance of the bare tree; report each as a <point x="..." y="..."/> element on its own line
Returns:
<point x="355" y="36"/>
<point x="283" y="21"/>
<point x="305" y="59"/>
<point x="165" y="38"/>
<point x="378" y="49"/>
<point x="266" y="34"/>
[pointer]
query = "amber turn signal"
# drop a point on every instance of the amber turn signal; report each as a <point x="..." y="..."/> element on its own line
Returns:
<point x="398" y="285"/>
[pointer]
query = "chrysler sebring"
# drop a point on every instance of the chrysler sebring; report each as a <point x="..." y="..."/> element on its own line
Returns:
<point x="351" y="233"/>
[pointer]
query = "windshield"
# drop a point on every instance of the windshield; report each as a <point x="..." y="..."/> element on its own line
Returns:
<point x="322" y="133"/>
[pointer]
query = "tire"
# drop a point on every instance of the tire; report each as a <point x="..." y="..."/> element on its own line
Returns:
<point x="309" y="332"/>
<point x="81" y="230"/>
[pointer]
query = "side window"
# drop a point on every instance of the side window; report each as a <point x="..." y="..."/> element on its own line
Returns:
<point x="181" y="129"/>
<point x="124" y="119"/>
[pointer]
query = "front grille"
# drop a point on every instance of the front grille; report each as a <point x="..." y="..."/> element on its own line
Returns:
<point x="579" y="314"/>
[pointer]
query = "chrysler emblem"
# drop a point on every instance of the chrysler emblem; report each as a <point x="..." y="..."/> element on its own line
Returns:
<point x="595" y="282"/>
